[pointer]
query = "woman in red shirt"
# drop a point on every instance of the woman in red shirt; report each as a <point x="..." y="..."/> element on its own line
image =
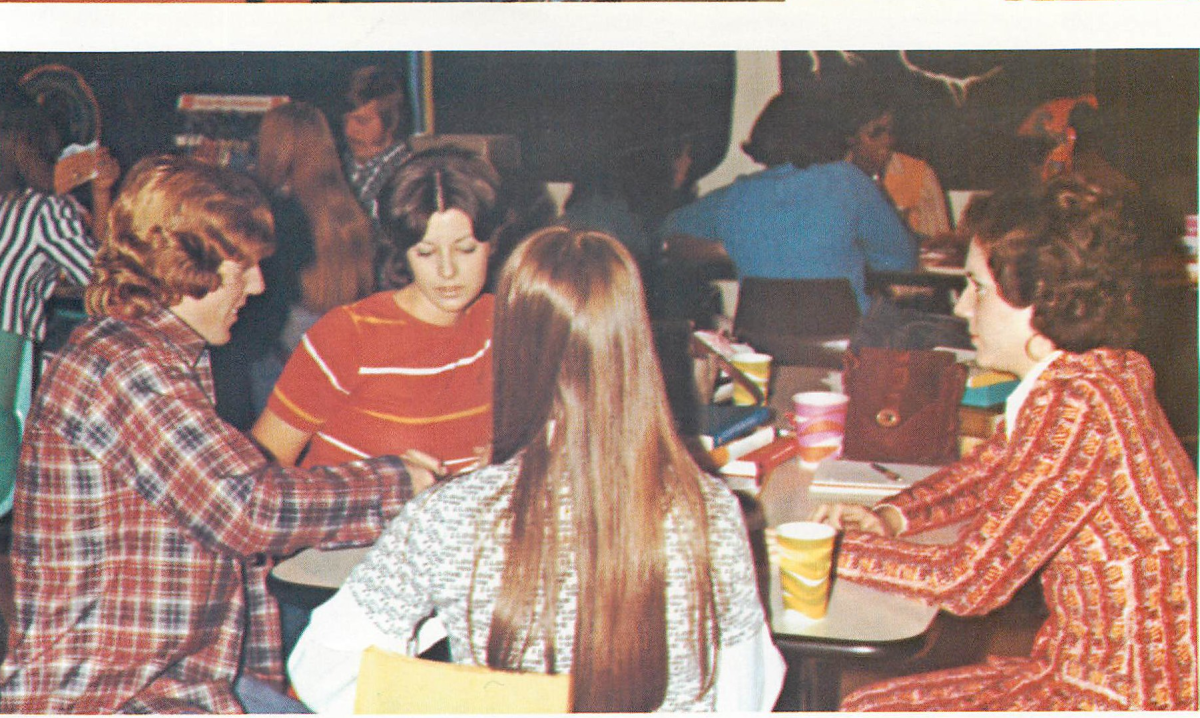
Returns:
<point x="407" y="371"/>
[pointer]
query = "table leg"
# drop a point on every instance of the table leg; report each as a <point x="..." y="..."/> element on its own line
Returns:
<point x="811" y="684"/>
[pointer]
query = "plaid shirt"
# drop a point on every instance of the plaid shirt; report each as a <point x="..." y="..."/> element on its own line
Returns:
<point x="369" y="178"/>
<point x="144" y="528"/>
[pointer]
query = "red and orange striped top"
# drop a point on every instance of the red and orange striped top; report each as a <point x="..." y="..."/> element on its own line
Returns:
<point x="368" y="379"/>
<point x="1094" y="489"/>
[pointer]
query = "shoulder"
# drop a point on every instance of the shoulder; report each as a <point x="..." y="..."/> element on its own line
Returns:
<point x="843" y="173"/>
<point x="1109" y="379"/>
<point x="360" y="315"/>
<point x="724" y="509"/>
<point x="443" y="514"/>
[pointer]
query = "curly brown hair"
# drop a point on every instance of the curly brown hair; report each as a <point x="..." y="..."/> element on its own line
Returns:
<point x="173" y="223"/>
<point x="1069" y="250"/>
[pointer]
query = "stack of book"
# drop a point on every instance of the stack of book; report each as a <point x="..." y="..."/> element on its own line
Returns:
<point x="750" y="472"/>
<point x="845" y="480"/>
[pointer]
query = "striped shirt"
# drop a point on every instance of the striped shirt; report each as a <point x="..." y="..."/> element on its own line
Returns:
<point x="369" y="379"/>
<point x="41" y="237"/>
<point x="1094" y="491"/>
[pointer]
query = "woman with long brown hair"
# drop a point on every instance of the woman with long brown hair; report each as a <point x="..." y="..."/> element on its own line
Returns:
<point x="324" y="257"/>
<point x="593" y="545"/>
<point x="297" y="158"/>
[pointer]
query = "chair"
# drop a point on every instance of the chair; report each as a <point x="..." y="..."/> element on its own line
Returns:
<point x="798" y="321"/>
<point x="395" y="683"/>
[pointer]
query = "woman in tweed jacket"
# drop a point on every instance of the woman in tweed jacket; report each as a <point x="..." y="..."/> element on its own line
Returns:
<point x="1084" y="481"/>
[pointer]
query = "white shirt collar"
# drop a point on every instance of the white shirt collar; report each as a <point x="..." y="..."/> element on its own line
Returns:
<point x="1012" y="406"/>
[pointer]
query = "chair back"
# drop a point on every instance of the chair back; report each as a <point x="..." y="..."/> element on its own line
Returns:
<point x="391" y="682"/>
<point x="790" y="318"/>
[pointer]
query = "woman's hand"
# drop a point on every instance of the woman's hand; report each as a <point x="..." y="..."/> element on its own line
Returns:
<point x="884" y="522"/>
<point x="423" y="469"/>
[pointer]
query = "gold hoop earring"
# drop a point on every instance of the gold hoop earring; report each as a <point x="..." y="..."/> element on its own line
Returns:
<point x="1028" y="352"/>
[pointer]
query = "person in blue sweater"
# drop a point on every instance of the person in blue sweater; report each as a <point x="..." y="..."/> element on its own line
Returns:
<point x="808" y="215"/>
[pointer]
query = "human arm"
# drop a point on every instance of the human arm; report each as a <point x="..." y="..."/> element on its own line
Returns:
<point x="153" y="428"/>
<point x="323" y="667"/>
<point x="107" y="172"/>
<point x="749" y="667"/>
<point x="749" y="674"/>
<point x="315" y="384"/>
<point x="1051" y="481"/>
<point x="882" y="520"/>
<point x="930" y="218"/>
<point x="64" y="236"/>
<point x="381" y="604"/>
<point x="280" y="439"/>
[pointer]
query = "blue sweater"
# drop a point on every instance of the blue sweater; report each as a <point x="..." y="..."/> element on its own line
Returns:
<point x="823" y="221"/>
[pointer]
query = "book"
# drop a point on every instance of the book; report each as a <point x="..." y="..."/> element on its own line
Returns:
<point x="763" y="460"/>
<point x="722" y="423"/>
<point x="842" y="478"/>
<point x="986" y="387"/>
<point x="725" y="454"/>
<point x="751" y="472"/>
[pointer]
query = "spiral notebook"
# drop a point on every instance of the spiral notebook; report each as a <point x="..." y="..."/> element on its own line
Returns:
<point x="870" y="479"/>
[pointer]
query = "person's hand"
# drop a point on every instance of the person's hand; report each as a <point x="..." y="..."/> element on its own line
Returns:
<point x="107" y="169"/>
<point x="858" y="518"/>
<point x="423" y="469"/>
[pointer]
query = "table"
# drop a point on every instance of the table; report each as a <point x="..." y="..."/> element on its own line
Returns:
<point x="862" y="623"/>
<point x="892" y="627"/>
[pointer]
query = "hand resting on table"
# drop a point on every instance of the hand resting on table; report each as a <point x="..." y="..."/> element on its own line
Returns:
<point x="884" y="521"/>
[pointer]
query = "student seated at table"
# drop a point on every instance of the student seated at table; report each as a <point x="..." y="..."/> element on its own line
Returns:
<point x="809" y="215"/>
<point x="909" y="182"/>
<point x="406" y="369"/>
<point x="1084" y="481"/>
<point x="592" y="501"/>
<point x="142" y="522"/>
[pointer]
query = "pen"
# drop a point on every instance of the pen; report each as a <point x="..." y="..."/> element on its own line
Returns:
<point x="887" y="472"/>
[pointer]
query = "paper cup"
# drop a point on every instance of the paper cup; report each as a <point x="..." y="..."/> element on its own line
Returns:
<point x="820" y="421"/>
<point x="805" y="561"/>
<point x="758" y="368"/>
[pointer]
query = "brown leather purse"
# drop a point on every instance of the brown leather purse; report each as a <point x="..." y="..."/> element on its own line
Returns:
<point x="903" y="405"/>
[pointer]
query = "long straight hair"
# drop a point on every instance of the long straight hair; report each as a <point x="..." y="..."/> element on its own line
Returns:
<point x="296" y="154"/>
<point x="579" y="392"/>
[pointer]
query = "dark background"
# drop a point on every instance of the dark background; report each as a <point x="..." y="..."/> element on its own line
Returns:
<point x="573" y="110"/>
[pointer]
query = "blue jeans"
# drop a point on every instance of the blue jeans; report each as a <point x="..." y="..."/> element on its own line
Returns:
<point x="258" y="697"/>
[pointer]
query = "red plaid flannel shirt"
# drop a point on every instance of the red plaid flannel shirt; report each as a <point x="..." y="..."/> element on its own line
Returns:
<point x="144" y="528"/>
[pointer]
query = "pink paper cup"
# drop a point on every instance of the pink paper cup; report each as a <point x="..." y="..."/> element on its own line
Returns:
<point x="819" y="418"/>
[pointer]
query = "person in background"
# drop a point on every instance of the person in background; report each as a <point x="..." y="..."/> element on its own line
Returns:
<point x="809" y="215"/>
<point x="143" y="524"/>
<point x="1088" y="161"/>
<point x="910" y="183"/>
<point x="323" y="257"/>
<point x="411" y="368"/>
<point x="43" y="237"/>
<point x="1083" y="483"/>
<point x="375" y="129"/>
<point x="593" y="546"/>
<point x="1051" y="121"/>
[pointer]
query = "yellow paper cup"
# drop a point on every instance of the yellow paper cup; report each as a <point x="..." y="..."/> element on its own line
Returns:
<point x="805" y="561"/>
<point x="757" y="367"/>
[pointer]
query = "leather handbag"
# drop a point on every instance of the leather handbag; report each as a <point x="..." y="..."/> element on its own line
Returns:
<point x="903" y="405"/>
